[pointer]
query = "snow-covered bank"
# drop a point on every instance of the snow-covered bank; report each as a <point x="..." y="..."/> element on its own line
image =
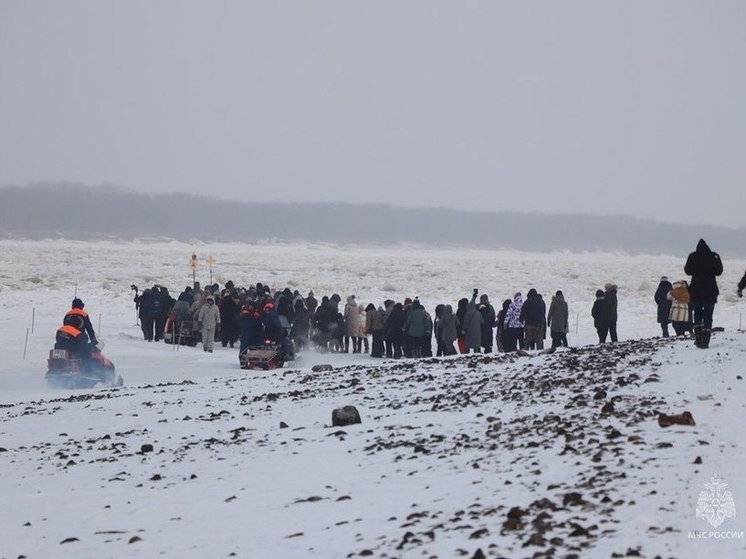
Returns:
<point x="446" y="449"/>
<point x="510" y="456"/>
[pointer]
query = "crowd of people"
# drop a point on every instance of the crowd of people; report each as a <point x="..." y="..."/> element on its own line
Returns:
<point x="394" y="329"/>
<point x="252" y="315"/>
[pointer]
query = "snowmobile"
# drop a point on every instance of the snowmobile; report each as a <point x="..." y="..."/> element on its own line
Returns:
<point x="65" y="371"/>
<point x="185" y="336"/>
<point x="268" y="356"/>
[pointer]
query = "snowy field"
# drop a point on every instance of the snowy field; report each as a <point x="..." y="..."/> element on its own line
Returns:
<point x="446" y="450"/>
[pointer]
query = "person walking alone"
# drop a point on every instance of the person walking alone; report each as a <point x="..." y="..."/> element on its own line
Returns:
<point x="704" y="265"/>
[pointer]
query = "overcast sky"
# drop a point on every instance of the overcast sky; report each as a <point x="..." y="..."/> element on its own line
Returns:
<point x="633" y="107"/>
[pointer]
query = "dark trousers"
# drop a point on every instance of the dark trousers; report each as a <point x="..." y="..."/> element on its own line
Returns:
<point x="703" y="314"/>
<point x="148" y="328"/>
<point x="612" y="332"/>
<point x="513" y="339"/>
<point x="605" y="329"/>
<point x="602" y="329"/>
<point x="559" y="339"/>
<point x="160" y="323"/>
<point x="414" y="345"/>
<point x="664" y="329"/>
<point x="377" y="348"/>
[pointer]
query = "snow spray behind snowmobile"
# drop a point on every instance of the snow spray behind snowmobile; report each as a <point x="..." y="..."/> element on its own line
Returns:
<point x="66" y="371"/>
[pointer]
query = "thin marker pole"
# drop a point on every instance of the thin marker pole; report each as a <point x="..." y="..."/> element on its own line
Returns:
<point x="33" y="317"/>
<point x="577" y="318"/>
<point x="25" y="345"/>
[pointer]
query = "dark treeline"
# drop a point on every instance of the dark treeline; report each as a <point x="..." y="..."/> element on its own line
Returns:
<point x="84" y="212"/>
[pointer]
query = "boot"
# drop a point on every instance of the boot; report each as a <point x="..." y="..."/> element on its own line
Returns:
<point x="697" y="336"/>
<point x="705" y="338"/>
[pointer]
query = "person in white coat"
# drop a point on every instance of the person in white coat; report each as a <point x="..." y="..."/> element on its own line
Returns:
<point x="352" y="325"/>
<point x="208" y="321"/>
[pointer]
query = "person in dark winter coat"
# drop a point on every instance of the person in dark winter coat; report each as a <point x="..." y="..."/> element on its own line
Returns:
<point x="251" y="328"/>
<point x="501" y="332"/>
<point x="161" y="307"/>
<point x="664" y="304"/>
<point x="557" y="320"/>
<point x="460" y="314"/>
<point x="301" y="325"/>
<point x="274" y="330"/>
<point x="610" y="309"/>
<point x="147" y="320"/>
<point x="284" y="306"/>
<point x="599" y="320"/>
<point x="229" y="318"/>
<point x="79" y="319"/>
<point x="374" y="322"/>
<point x="388" y="306"/>
<point x="311" y="303"/>
<point x="440" y="350"/>
<point x="416" y="327"/>
<point x="533" y="315"/>
<point x="472" y="326"/>
<point x="394" y="329"/>
<point x="741" y="285"/>
<point x="488" y="319"/>
<point x="181" y="318"/>
<point x="704" y="266"/>
<point x="448" y="327"/>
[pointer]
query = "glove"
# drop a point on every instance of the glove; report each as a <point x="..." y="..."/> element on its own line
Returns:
<point x="740" y="292"/>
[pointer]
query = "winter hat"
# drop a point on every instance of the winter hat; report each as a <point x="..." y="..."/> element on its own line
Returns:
<point x="370" y="307"/>
<point x="483" y="298"/>
<point x="664" y="278"/>
<point x="600" y="293"/>
<point x="77" y="304"/>
<point x="310" y="293"/>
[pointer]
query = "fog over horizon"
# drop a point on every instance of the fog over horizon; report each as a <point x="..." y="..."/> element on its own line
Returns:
<point x="579" y="107"/>
<point x="73" y="211"/>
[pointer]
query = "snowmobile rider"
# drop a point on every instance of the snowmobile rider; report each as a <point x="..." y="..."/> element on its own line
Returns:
<point x="76" y="333"/>
<point x="274" y="330"/>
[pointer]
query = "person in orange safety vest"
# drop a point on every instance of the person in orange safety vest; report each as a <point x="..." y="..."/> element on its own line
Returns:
<point x="76" y="333"/>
